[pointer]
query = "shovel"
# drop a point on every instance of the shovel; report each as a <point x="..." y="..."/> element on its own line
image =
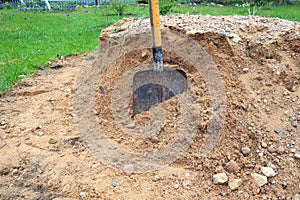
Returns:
<point x="151" y="87"/>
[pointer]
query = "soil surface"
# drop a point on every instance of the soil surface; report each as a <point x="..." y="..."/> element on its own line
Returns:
<point x="256" y="155"/>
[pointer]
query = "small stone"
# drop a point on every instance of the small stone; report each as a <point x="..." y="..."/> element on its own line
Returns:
<point x="294" y="88"/>
<point x="128" y="169"/>
<point x="232" y="167"/>
<point x="246" y="151"/>
<point x="52" y="141"/>
<point x="187" y="184"/>
<point x="113" y="183"/>
<point x="82" y="194"/>
<point x="259" y="180"/>
<point x="220" y="178"/>
<point x="15" y="171"/>
<point x="293" y="150"/>
<point x="103" y="90"/>
<point x="40" y="133"/>
<point x="144" y="54"/>
<point x="246" y="69"/>
<point x="268" y="171"/>
<point x="39" y="126"/>
<point x="277" y="131"/>
<point x="235" y="184"/>
<point x="234" y="37"/>
<point x="264" y="145"/>
<point x="297" y="155"/>
<point x="175" y="174"/>
<point x="191" y="32"/>
<point x="187" y="174"/>
<point x="176" y="186"/>
<point x="132" y="125"/>
<point x="154" y="139"/>
<point x="284" y="186"/>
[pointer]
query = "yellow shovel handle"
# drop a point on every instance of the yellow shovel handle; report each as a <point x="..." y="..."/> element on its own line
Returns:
<point x="155" y="22"/>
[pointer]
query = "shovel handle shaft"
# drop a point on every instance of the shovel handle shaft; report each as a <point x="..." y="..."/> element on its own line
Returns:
<point x="156" y="34"/>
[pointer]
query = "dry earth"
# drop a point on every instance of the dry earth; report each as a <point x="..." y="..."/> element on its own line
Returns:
<point x="42" y="156"/>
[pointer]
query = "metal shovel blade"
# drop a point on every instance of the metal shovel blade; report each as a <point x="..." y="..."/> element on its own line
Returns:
<point x="152" y="87"/>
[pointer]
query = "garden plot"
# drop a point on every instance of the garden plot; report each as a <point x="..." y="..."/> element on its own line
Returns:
<point x="45" y="153"/>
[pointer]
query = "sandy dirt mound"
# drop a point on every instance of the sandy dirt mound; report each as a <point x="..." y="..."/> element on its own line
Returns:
<point x="256" y="156"/>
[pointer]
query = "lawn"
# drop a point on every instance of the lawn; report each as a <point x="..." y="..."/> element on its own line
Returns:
<point x="28" y="39"/>
<point x="284" y="12"/>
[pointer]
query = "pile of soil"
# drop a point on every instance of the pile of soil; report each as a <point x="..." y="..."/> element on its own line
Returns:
<point x="42" y="156"/>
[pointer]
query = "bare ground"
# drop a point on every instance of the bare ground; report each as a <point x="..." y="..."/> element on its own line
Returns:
<point x="42" y="156"/>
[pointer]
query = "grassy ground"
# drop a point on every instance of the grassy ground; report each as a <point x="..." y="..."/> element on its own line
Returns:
<point x="29" y="39"/>
<point x="284" y="12"/>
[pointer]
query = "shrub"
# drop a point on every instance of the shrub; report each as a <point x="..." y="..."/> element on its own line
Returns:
<point x="165" y="6"/>
<point x="119" y="6"/>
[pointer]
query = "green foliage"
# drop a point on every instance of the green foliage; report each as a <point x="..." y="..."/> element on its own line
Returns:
<point x="119" y="6"/>
<point x="165" y="6"/>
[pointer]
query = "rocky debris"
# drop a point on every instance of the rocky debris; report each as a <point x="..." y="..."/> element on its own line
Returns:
<point x="235" y="183"/>
<point x="232" y="167"/>
<point x="245" y="151"/>
<point x="233" y="28"/>
<point x="268" y="172"/>
<point x="259" y="180"/>
<point x="247" y="123"/>
<point x="220" y="178"/>
<point x="297" y="155"/>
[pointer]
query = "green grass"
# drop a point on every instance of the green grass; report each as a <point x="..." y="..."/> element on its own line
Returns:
<point x="29" y="39"/>
<point x="284" y="12"/>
